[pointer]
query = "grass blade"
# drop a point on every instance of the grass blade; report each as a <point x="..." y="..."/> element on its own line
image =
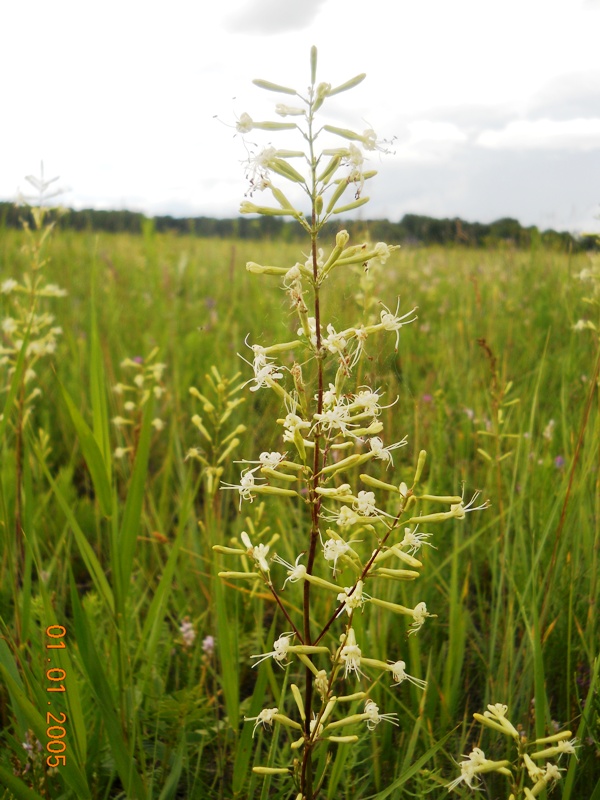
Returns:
<point x="132" y="513"/>
<point x="92" y="455"/>
<point x="92" y="664"/>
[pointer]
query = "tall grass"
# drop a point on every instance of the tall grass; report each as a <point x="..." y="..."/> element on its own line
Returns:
<point x="115" y="552"/>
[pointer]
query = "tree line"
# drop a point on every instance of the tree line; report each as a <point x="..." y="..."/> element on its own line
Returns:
<point x="412" y="229"/>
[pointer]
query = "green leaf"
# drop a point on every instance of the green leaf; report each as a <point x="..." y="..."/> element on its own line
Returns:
<point x="72" y="775"/>
<point x="92" y="661"/>
<point x="92" y="455"/>
<point x="98" y="395"/>
<point x="246" y="741"/>
<point x="406" y="776"/>
<point x="18" y="789"/>
<point x="130" y="524"/>
<point x="87" y="553"/>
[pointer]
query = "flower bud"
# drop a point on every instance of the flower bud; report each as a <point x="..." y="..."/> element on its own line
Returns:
<point x="273" y="87"/>
<point x="258" y="269"/>
<point x="351" y="206"/>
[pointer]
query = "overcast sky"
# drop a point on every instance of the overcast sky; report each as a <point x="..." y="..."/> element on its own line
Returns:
<point x="495" y="105"/>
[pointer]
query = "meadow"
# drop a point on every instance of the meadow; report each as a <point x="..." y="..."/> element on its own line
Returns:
<point x="491" y="380"/>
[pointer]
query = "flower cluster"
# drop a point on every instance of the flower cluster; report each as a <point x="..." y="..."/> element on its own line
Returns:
<point x="528" y="760"/>
<point x="362" y="533"/>
<point x="27" y="327"/>
<point x="144" y="380"/>
<point x="218" y="401"/>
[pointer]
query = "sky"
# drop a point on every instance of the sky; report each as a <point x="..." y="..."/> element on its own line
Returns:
<point x="494" y="106"/>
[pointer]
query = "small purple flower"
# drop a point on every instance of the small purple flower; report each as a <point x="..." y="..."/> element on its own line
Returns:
<point x="559" y="462"/>
<point x="427" y="398"/>
<point x="208" y="645"/>
<point x="138" y="359"/>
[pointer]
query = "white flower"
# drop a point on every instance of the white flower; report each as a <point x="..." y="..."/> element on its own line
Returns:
<point x="245" y="486"/>
<point x="292" y="424"/>
<point x="584" y="324"/>
<point x="397" y="668"/>
<point x="384" y="453"/>
<point x="392" y="322"/>
<point x="187" y="632"/>
<point x="365" y="504"/>
<point x="9" y="325"/>
<point x="244" y="123"/>
<point x="264" y="718"/>
<point x="258" y="168"/>
<point x="271" y="460"/>
<point x="333" y="549"/>
<point x="335" y="342"/>
<point x="261" y="374"/>
<point x="374" y="717"/>
<point x="312" y="327"/>
<point x="7" y="286"/>
<point x="468" y="769"/>
<point x="414" y="541"/>
<point x="296" y="571"/>
<point x="329" y="397"/>
<point x="346" y="517"/>
<point x="258" y="553"/>
<point x="367" y="402"/>
<point x="279" y="652"/>
<point x="53" y="290"/>
<point x="158" y="424"/>
<point x="121" y="451"/>
<point x="351" y="599"/>
<point x="420" y="614"/>
<point x="459" y="510"/>
<point x="350" y="654"/>
<point x="337" y="417"/>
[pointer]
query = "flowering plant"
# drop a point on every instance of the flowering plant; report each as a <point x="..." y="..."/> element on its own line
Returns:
<point x="362" y="532"/>
<point x="527" y="767"/>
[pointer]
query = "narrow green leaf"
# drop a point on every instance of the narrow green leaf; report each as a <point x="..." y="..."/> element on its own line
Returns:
<point x="7" y="661"/>
<point x="171" y="784"/>
<point x="87" y="553"/>
<point x="92" y="455"/>
<point x="98" y="394"/>
<point x="228" y="653"/>
<point x="18" y="789"/>
<point x="246" y="742"/>
<point x="130" y="522"/>
<point x="98" y="682"/>
<point x="406" y="776"/>
<point x="73" y="776"/>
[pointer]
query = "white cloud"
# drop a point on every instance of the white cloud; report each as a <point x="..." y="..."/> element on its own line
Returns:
<point x="574" y="134"/>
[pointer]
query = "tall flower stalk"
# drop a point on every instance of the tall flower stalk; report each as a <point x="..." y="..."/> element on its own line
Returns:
<point x="362" y="532"/>
<point x="28" y="335"/>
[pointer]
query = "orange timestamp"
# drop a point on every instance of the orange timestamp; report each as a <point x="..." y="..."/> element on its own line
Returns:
<point x="56" y="677"/>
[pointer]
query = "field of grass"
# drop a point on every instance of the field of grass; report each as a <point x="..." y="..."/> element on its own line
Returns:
<point x="117" y="551"/>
